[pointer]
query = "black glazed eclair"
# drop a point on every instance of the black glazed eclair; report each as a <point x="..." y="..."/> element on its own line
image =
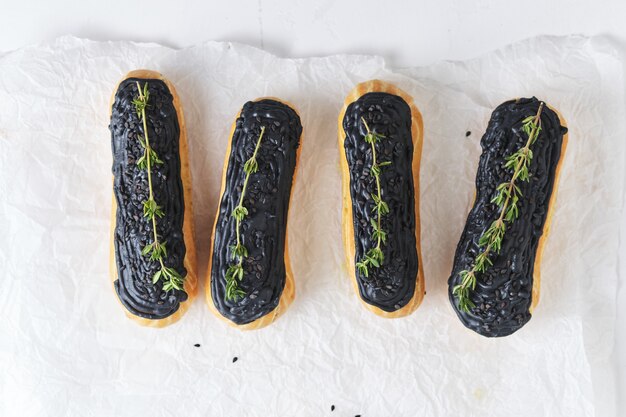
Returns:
<point x="153" y="259"/>
<point x="249" y="281"/>
<point x="494" y="285"/>
<point x="380" y="134"/>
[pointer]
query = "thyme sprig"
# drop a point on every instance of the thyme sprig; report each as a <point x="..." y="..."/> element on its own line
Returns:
<point x="375" y="257"/>
<point x="506" y="198"/>
<point x="234" y="273"/>
<point x="156" y="250"/>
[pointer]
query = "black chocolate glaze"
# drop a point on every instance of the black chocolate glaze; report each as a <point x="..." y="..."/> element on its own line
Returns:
<point x="391" y="286"/>
<point x="133" y="231"/>
<point x="503" y="294"/>
<point x="267" y="200"/>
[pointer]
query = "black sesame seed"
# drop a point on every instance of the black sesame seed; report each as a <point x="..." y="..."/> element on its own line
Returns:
<point x="468" y="133"/>
<point x="197" y="345"/>
<point x="235" y="359"/>
<point x="332" y="408"/>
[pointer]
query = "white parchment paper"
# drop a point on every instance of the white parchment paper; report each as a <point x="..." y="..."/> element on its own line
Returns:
<point x="67" y="349"/>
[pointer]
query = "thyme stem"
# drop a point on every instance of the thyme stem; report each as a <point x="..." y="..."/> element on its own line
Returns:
<point x="377" y="192"/>
<point x="148" y="162"/>
<point x="245" y="183"/>
<point x="378" y="188"/>
<point x="156" y="250"/>
<point x="375" y="257"/>
<point x="235" y="272"/>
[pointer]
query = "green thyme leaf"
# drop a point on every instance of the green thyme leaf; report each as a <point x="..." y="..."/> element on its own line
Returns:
<point x="239" y="213"/>
<point x="380" y="234"/>
<point x="238" y="251"/>
<point x="383" y="207"/>
<point x="234" y="273"/>
<point x="142" y="162"/>
<point x="158" y="251"/>
<point x="362" y="268"/>
<point x="156" y="276"/>
<point x="152" y="209"/>
<point x="146" y="249"/>
<point x="154" y="158"/>
<point x="375" y="170"/>
<point x="251" y="166"/>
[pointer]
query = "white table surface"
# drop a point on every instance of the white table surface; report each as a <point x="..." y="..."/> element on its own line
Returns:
<point x="405" y="33"/>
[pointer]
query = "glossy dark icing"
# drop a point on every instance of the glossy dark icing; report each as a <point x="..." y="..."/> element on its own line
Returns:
<point x="133" y="231"/>
<point x="391" y="286"/>
<point x="503" y="294"/>
<point x="267" y="201"/>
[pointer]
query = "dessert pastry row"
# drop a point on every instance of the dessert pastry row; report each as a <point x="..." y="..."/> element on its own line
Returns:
<point x="494" y="284"/>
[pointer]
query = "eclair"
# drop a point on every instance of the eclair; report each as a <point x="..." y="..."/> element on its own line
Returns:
<point x="494" y="284"/>
<point x="380" y="133"/>
<point x="250" y="282"/>
<point x="153" y="256"/>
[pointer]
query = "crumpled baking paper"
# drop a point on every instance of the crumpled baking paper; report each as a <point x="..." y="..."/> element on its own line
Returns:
<point x="66" y="347"/>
